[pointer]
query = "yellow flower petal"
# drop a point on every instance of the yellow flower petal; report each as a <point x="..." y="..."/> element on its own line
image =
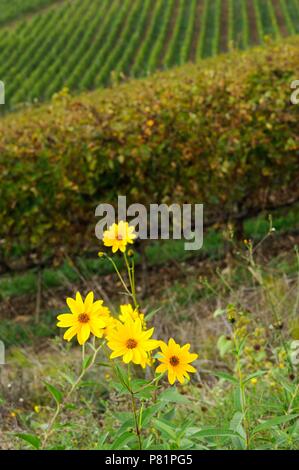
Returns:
<point x="65" y="320"/>
<point x="70" y="333"/>
<point x="73" y="306"/>
<point x="161" y="368"/>
<point x="88" y="302"/>
<point x="171" y="376"/>
<point x="128" y="356"/>
<point x="83" y="333"/>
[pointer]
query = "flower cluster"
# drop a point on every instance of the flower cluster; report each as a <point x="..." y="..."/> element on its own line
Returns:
<point x="126" y="336"/>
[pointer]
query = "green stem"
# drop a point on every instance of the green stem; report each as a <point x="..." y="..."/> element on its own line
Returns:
<point x="59" y="406"/>
<point x="131" y="274"/>
<point x="138" y="430"/>
<point x="120" y="277"/>
<point x="242" y="391"/>
<point x="134" y="410"/>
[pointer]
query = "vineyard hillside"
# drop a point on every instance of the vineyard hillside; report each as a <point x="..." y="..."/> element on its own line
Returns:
<point x="223" y="132"/>
<point x="46" y="45"/>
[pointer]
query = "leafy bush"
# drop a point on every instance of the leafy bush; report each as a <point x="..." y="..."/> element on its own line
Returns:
<point x="223" y="133"/>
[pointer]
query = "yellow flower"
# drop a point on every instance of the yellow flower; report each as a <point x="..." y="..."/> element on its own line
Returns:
<point x="176" y="360"/>
<point x="132" y="342"/>
<point x="85" y="318"/>
<point x="111" y="324"/>
<point x="253" y="380"/>
<point x="118" y="236"/>
<point x="128" y="313"/>
<point x="36" y="408"/>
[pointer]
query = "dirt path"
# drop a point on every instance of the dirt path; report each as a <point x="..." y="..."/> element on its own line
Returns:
<point x="253" y="32"/>
<point x="169" y="32"/>
<point x="196" y="30"/>
<point x="224" y="26"/>
<point x="280" y="18"/>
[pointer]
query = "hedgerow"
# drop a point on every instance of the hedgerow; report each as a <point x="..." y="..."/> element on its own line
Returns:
<point x="223" y="133"/>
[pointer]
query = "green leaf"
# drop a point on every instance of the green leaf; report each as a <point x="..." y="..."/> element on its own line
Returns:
<point x="236" y="421"/>
<point x="239" y="441"/>
<point x="149" y="412"/>
<point x="270" y="423"/>
<point x="142" y="388"/>
<point x="224" y="345"/>
<point x="68" y="378"/>
<point x="127" y="425"/>
<point x="165" y="428"/>
<point x="122" y="375"/>
<point x="56" y="394"/>
<point x="122" y="440"/>
<point x="102" y="439"/>
<point x="150" y="315"/>
<point x="122" y="416"/>
<point x="119" y="387"/>
<point x="87" y="361"/>
<point x="225" y="376"/>
<point x="242" y="345"/>
<point x="214" y="432"/>
<point x="147" y="442"/>
<point x="172" y="395"/>
<point x="238" y="399"/>
<point x="31" y="439"/>
<point x="255" y="374"/>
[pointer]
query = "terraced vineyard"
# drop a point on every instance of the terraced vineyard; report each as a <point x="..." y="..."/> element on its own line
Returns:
<point x="84" y="44"/>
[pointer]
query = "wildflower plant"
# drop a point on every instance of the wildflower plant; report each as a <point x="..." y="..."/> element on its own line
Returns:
<point x="252" y="404"/>
<point x="136" y="358"/>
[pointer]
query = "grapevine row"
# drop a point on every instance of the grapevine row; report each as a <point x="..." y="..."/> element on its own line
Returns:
<point x="84" y="44"/>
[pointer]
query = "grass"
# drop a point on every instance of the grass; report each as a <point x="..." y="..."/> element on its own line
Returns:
<point x="187" y="311"/>
<point x="156" y="254"/>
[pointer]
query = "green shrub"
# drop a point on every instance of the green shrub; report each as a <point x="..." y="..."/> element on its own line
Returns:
<point x="223" y="133"/>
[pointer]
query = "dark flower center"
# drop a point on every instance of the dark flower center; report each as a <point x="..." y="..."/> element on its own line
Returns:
<point x="131" y="343"/>
<point x="83" y="318"/>
<point x="174" y="361"/>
